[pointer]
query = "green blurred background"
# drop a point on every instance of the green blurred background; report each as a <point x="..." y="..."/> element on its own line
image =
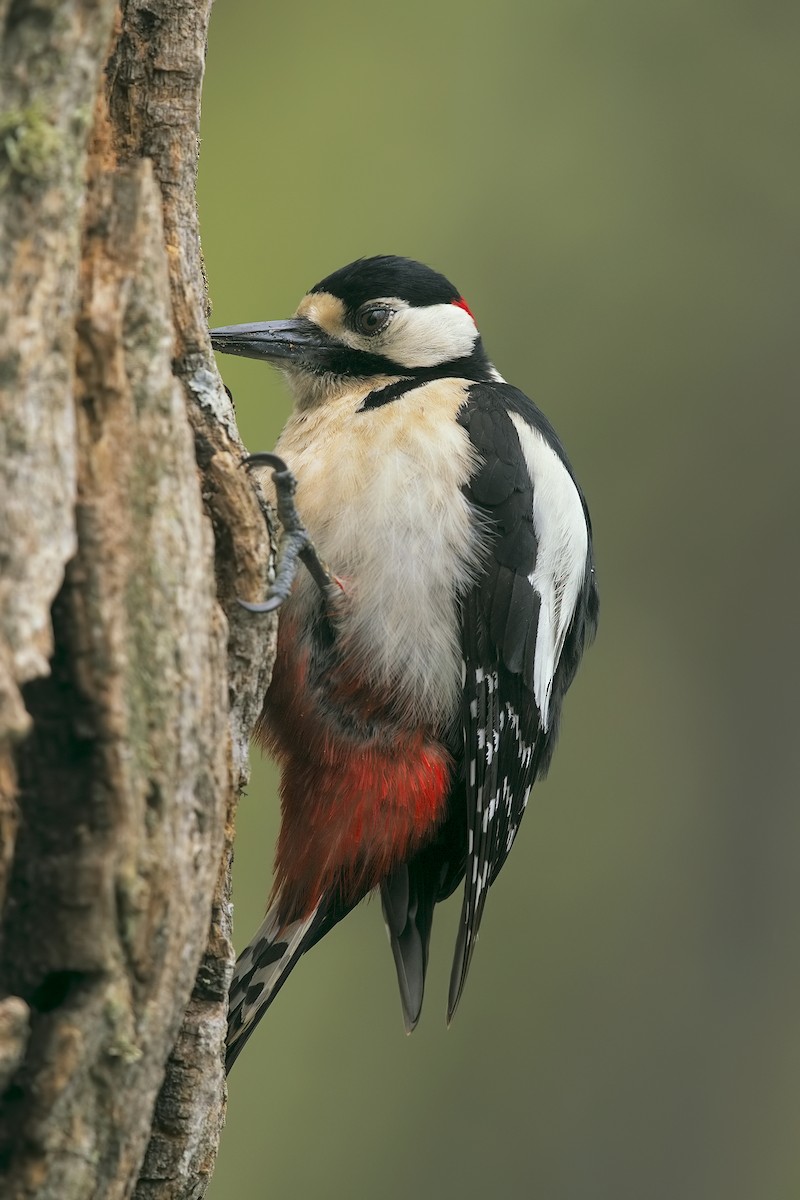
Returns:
<point x="615" y="189"/>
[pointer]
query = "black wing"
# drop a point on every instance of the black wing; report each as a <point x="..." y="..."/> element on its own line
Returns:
<point x="506" y="743"/>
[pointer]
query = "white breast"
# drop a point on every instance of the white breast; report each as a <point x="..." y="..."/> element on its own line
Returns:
<point x="562" y="546"/>
<point x="380" y="492"/>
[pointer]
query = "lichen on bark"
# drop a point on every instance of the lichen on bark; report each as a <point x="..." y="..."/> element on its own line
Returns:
<point x="129" y="677"/>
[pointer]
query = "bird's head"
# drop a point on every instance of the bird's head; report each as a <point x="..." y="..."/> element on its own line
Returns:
<point x="378" y="319"/>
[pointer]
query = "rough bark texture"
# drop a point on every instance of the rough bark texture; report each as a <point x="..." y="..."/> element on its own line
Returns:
<point x="129" y="678"/>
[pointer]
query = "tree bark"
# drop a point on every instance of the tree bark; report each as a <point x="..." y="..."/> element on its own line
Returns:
<point x="129" y="677"/>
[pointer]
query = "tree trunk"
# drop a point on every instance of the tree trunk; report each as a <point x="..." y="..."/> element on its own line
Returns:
<point x="129" y="677"/>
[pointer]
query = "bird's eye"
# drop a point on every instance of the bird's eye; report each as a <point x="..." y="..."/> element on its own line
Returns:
<point x="373" y="319"/>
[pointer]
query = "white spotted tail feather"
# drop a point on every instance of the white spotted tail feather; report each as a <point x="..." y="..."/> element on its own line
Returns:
<point x="261" y="970"/>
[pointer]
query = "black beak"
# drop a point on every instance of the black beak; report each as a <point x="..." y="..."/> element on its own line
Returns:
<point x="275" y="341"/>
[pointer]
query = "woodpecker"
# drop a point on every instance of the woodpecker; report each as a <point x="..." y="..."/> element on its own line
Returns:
<point x="422" y="663"/>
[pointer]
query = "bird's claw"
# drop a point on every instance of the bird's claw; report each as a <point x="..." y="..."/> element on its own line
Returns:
<point x="294" y="543"/>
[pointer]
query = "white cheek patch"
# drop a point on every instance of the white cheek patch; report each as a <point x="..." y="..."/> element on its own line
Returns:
<point x="426" y="337"/>
<point x="415" y="337"/>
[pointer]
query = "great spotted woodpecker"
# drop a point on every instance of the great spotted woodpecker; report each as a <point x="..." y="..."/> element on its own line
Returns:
<point x="420" y="672"/>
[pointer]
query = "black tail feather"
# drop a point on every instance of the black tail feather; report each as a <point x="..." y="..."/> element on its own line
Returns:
<point x="409" y="897"/>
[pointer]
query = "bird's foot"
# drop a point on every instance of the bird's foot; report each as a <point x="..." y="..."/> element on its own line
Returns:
<point x="294" y="544"/>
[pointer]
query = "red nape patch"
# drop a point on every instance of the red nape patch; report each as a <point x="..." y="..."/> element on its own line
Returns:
<point x="461" y="303"/>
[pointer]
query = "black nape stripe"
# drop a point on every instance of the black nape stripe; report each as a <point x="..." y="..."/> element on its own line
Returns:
<point x="476" y="368"/>
<point x="388" y="393"/>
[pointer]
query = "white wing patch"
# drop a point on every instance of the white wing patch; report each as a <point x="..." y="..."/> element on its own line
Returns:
<point x="563" y="541"/>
